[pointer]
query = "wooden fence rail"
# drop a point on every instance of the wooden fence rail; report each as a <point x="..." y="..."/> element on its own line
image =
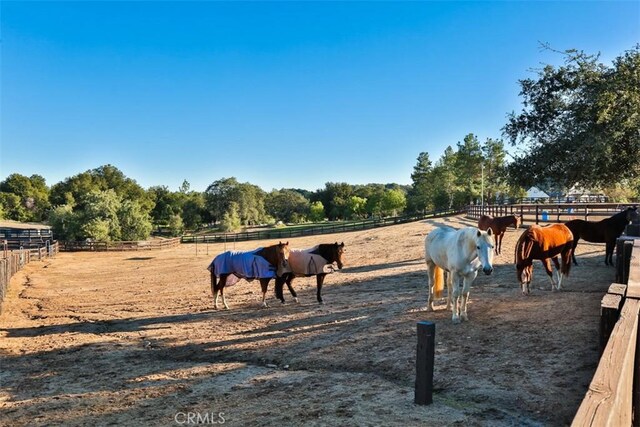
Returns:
<point x="285" y="233"/>
<point x="142" y="245"/>
<point x="535" y="213"/>
<point x="613" y="397"/>
<point x="12" y="261"/>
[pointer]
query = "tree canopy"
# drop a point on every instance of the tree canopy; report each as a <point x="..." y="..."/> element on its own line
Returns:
<point x="580" y="122"/>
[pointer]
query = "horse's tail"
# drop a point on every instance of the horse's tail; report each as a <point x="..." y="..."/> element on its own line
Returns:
<point x="214" y="281"/>
<point x="438" y="282"/>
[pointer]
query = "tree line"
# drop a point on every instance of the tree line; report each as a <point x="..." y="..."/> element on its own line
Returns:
<point x="579" y="125"/>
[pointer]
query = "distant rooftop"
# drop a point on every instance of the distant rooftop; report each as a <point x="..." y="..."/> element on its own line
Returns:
<point x="23" y="225"/>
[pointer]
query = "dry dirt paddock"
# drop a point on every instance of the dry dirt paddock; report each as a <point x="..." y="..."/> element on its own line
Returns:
<point x="132" y="339"/>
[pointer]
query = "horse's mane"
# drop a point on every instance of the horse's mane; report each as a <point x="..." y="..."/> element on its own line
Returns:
<point x="270" y="253"/>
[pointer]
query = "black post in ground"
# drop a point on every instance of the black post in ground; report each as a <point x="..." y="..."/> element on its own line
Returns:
<point x="424" y="363"/>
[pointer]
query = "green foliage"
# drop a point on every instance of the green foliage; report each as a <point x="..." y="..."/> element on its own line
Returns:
<point x="135" y="223"/>
<point x="393" y="202"/>
<point x="176" y="226"/>
<point x="580" y="123"/>
<point x="33" y="197"/>
<point x="356" y="207"/>
<point x="316" y="212"/>
<point x="64" y="223"/>
<point x="13" y="207"/>
<point x="287" y="205"/>
<point x="231" y="219"/>
<point x="248" y="199"/>
<point x="103" y="178"/>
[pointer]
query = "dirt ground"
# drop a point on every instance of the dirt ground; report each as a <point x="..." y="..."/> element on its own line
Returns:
<point x="130" y="338"/>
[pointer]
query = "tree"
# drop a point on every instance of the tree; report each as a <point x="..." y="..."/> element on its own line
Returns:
<point x="444" y="182"/>
<point x="316" y="212"/>
<point x="287" y="205"/>
<point x="135" y="223"/>
<point x="420" y="195"/>
<point x="393" y="202"/>
<point x="356" y="207"/>
<point x="579" y="123"/>
<point x="33" y="197"/>
<point x="468" y="164"/>
<point x="230" y="219"/>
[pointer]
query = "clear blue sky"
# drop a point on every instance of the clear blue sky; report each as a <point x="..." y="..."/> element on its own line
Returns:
<point x="278" y="94"/>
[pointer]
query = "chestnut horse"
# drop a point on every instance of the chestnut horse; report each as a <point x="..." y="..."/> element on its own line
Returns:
<point x="462" y="253"/>
<point x="316" y="261"/>
<point x="543" y="243"/>
<point x="262" y="263"/>
<point x="498" y="225"/>
<point x="605" y="231"/>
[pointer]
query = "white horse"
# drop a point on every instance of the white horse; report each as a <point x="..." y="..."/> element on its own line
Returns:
<point x="461" y="253"/>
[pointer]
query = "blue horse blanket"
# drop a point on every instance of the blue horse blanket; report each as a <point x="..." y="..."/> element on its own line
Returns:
<point x="242" y="265"/>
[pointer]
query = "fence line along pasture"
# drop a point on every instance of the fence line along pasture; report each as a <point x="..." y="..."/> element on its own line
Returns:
<point x="613" y="397"/>
<point x="285" y="233"/>
<point x="142" y="245"/>
<point x="536" y="213"/>
<point x="12" y="261"/>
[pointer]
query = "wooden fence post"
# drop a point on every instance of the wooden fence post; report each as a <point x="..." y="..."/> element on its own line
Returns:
<point x="424" y="363"/>
<point x="609" y="315"/>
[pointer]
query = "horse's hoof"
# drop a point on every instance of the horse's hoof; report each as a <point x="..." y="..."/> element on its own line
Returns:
<point x="464" y="317"/>
<point x="455" y="320"/>
<point x="282" y="302"/>
<point x="321" y="302"/>
<point x="296" y="300"/>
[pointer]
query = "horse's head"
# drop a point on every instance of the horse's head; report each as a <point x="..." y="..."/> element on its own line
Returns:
<point x="518" y="222"/>
<point x="484" y="247"/>
<point x="338" y="251"/>
<point x="282" y="252"/>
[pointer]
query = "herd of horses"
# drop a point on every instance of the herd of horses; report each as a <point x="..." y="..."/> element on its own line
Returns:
<point x="462" y="252"/>
<point x="452" y="255"/>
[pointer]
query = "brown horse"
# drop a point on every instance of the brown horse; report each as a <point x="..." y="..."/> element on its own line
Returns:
<point x="316" y="261"/>
<point x="605" y="231"/>
<point x="498" y="225"/>
<point x="262" y="263"/>
<point x="544" y="243"/>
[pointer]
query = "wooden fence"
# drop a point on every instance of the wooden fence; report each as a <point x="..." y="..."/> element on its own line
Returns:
<point x="535" y="213"/>
<point x="141" y="245"/>
<point x="286" y="233"/>
<point x="613" y="397"/>
<point x="12" y="261"/>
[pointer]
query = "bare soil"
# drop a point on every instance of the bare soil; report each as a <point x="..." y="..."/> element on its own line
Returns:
<point x="130" y="338"/>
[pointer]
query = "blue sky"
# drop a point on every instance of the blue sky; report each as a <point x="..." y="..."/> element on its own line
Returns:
<point x="278" y="94"/>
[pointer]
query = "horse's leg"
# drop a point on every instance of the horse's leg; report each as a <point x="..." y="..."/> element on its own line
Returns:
<point x="547" y="267"/>
<point x="608" y="257"/>
<point x="319" y="282"/>
<point x="467" y="281"/>
<point x="214" y="290"/>
<point x="279" y="288"/>
<point x="264" y="283"/>
<point x="292" y="291"/>
<point x="224" y="300"/>
<point x="219" y="290"/>
<point x="455" y="317"/>
<point x="449" y="289"/>
<point x="431" y="280"/>
<point x="559" y="274"/>
<point x="573" y="252"/>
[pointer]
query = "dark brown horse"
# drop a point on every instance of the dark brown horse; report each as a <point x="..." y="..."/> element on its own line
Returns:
<point x="605" y="231"/>
<point x="543" y="243"/>
<point x="262" y="263"/>
<point x="316" y="261"/>
<point x="498" y="225"/>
